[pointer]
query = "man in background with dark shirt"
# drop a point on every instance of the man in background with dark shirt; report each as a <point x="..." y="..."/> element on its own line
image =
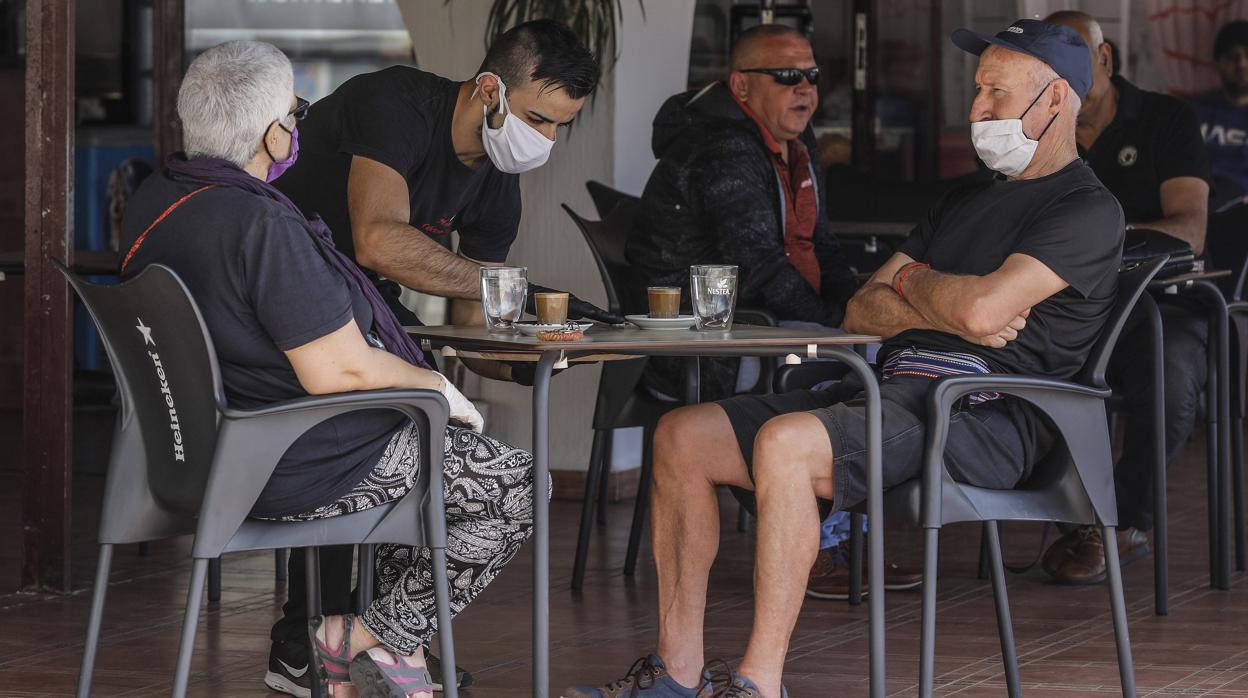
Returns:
<point x="396" y="160"/>
<point x="1224" y="116"/>
<point x="1015" y="275"/>
<point x="1146" y="148"/>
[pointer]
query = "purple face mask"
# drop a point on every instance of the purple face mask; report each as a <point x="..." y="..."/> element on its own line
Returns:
<point x="279" y="166"/>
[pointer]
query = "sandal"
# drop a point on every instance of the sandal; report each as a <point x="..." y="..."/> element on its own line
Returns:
<point x="334" y="666"/>
<point x="379" y="674"/>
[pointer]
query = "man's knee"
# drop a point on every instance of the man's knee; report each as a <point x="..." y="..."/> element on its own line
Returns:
<point x="794" y="445"/>
<point x="697" y="442"/>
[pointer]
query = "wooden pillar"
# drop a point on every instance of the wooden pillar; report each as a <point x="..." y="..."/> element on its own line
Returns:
<point x="169" y="54"/>
<point x="47" y="347"/>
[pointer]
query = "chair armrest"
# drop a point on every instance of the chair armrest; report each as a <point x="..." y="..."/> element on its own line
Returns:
<point x="251" y="442"/>
<point x="756" y="316"/>
<point x="1076" y="411"/>
<point x="805" y="376"/>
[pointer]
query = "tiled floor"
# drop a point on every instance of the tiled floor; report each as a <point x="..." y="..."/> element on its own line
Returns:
<point x="1065" y="640"/>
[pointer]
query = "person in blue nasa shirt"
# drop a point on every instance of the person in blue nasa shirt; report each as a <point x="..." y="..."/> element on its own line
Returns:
<point x="1223" y="117"/>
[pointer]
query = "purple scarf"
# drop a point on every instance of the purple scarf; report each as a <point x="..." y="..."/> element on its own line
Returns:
<point x="224" y="173"/>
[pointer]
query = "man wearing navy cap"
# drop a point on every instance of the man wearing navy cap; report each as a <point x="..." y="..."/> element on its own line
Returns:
<point x="1146" y="148"/>
<point x="1012" y="275"/>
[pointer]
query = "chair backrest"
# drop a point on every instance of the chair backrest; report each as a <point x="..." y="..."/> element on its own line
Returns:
<point x="607" y="199"/>
<point x="1131" y="285"/>
<point x="606" y="239"/>
<point x="168" y="378"/>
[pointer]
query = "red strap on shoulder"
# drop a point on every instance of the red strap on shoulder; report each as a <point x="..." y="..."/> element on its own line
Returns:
<point x="137" y="243"/>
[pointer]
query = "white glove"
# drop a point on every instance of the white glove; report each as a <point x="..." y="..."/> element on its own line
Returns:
<point x="462" y="409"/>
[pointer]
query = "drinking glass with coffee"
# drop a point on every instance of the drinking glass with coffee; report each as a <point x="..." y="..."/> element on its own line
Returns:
<point x="664" y="301"/>
<point x="552" y="307"/>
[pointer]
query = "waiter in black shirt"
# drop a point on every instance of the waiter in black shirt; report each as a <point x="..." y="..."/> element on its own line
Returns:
<point x="1147" y="149"/>
<point x="396" y="160"/>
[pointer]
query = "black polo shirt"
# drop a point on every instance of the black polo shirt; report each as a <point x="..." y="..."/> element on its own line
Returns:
<point x="1153" y="137"/>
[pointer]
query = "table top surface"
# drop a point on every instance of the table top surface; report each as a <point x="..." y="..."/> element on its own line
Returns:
<point x="602" y="338"/>
<point x="1192" y="276"/>
<point x="862" y="229"/>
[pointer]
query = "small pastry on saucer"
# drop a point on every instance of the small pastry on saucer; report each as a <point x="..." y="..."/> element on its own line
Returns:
<point x="568" y="333"/>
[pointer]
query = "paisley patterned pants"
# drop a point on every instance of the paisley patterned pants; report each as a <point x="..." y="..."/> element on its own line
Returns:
<point x="488" y="487"/>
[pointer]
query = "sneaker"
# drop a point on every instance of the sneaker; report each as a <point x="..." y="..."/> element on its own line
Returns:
<point x="288" y="669"/>
<point x="463" y="676"/>
<point x="724" y="683"/>
<point x="647" y="678"/>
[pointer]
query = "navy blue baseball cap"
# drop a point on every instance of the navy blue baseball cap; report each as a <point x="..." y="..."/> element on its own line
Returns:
<point x="1059" y="46"/>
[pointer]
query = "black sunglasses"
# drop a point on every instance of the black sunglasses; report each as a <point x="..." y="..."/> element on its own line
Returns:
<point x="301" y="108"/>
<point x="787" y="76"/>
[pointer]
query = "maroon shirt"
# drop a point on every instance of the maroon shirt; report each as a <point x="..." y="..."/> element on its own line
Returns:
<point x="801" y="210"/>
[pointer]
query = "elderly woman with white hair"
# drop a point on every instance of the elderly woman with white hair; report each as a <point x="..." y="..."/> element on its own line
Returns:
<point x="291" y="316"/>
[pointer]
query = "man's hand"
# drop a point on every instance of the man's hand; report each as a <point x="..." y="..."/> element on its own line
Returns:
<point x="577" y="308"/>
<point x="1007" y="334"/>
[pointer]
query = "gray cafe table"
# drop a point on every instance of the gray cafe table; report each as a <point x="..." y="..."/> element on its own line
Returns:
<point x="602" y="343"/>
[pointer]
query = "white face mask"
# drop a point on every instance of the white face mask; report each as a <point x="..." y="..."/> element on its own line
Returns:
<point x="516" y="147"/>
<point x="1003" y="145"/>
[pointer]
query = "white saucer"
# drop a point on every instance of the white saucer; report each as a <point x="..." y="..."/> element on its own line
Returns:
<point x="531" y="328"/>
<point x="645" y="322"/>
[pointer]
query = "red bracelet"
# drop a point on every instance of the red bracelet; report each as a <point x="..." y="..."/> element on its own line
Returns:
<point x="905" y="272"/>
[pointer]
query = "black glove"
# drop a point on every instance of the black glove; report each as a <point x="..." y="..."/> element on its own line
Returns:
<point x="577" y="308"/>
<point x="523" y="372"/>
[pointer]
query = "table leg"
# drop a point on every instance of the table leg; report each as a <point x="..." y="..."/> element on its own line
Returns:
<point x="875" y="509"/>
<point x="693" y="384"/>
<point x="541" y="525"/>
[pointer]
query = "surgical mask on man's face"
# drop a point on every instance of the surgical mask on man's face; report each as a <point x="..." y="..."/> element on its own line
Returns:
<point x="1002" y="144"/>
<point x="516" y="146"/>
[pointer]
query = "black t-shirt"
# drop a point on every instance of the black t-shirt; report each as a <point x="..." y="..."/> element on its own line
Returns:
<point x="1068" y="221"/>
<point x="401" y="117"/>
<point x="263" y="287"/>
<point x="1153" y="137"/>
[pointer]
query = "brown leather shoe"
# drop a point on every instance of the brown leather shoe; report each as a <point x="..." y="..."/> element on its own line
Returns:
<point x="1085" y="562"/>
<point x="829" y="576"/>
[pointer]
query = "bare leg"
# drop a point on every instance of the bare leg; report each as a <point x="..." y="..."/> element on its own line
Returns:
<point x="792" y="466"/>
<point x="694" y="450"/>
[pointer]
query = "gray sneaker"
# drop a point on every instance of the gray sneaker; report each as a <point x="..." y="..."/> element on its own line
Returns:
<point x="724" y="683"/>
<point x="648" y="678"/>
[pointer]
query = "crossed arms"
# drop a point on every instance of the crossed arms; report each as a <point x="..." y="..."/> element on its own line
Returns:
<point x="989" y="310"/>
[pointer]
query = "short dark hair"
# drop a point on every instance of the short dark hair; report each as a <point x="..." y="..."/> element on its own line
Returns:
<point x="546" y="51"/>
<point x="1231" y="34"/>
<point x="753" y="35"/>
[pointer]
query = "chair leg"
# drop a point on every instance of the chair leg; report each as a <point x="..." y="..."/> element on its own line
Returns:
<point x="98" y="594"/>
<point x="642" y="508"/>
<point x="593" y="481"/>
<point x="1005" y="627"/>
<point x="194" y="598"/>
<point x="312" y="583"/>
<point x="1237" y="473"/>
<point x="214" y="580"/>
<point x="446" y="638"/>
<point x="281" y="557"/>
<point x="604" y="483"/>
<point x="855" y="559"/>
<point x="743" y="518"/>
<point x="927" y="652"/>
<point x="1118" y="605"/>
<point x="365" y="570"/>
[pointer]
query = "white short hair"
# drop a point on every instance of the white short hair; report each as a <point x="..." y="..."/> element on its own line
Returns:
<point x="230" y="95"/>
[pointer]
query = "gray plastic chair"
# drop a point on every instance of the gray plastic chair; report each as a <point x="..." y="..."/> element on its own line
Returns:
<point x="183" y="462"/>
<point x="1073" y="483"/>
